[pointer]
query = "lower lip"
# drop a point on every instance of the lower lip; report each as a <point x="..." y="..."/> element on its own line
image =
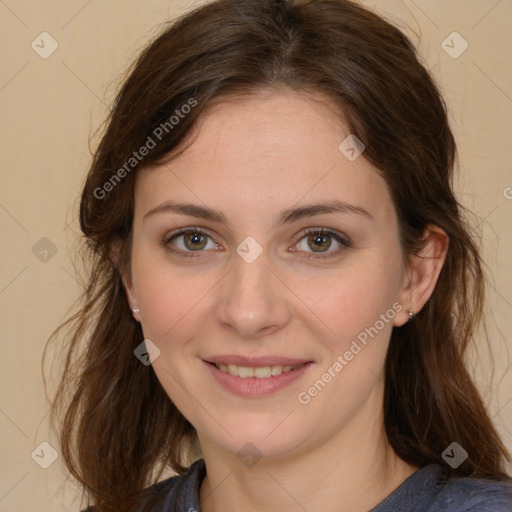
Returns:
<point x="254" y="387"/>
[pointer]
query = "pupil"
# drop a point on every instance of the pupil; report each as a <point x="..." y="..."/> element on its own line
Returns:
<point x="195" y="241"/>
<point x="320" y="242"/>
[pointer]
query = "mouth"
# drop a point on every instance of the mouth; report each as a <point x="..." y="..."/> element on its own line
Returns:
<point x="258" y="372"/>
<point x="256" y="376"/>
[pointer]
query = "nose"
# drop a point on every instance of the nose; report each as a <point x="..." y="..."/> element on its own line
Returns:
<point x="254" y="301"/>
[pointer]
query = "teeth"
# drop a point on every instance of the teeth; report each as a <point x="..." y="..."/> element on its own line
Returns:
<point x="276" y="370"/>
<point x="260" y="372"/>
<point x="245" y="372"/>
<point x="233" y="370"/>
<point x="263" y="372"/>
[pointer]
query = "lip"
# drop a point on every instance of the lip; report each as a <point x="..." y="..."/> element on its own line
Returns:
<point x="253" y="387"/>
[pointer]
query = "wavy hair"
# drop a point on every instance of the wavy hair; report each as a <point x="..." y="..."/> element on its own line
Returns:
<point x="118" y="429"/>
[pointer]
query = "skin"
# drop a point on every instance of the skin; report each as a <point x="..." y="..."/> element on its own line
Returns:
<point x="255" y="156"/>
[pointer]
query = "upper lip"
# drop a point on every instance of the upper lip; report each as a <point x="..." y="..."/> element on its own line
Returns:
<point x="256" y="361"/>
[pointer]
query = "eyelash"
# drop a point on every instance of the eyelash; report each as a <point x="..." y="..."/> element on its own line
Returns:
<point x="345" y="243"/>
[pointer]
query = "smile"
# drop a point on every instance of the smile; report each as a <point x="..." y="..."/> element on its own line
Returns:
<point x="256" y="378"/>
<point x="258" y="372"/>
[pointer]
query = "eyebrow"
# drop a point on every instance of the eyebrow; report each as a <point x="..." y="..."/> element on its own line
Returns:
<point x="286" y="216"/>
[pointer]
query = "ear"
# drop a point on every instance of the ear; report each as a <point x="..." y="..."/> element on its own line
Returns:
<point x="130" y="295"/>
<point x="422" y="273"/>
<point x="126" y="279"/>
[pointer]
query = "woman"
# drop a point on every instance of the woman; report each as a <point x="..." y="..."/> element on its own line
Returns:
<point x="283" y="286"/>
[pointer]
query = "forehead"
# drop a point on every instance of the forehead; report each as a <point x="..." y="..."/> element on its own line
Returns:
<point x="281" y="147"/>
<point x="266" y="130"/>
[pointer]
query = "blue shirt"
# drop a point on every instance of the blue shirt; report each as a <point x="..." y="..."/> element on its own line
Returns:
<point x="426" y="490"/>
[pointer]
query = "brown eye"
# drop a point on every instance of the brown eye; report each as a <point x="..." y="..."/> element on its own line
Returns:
<point x="322" y="243"/>
<point x="195" y="241"/>
<point x="189" y="242"/>
<point x="319" y="242"/>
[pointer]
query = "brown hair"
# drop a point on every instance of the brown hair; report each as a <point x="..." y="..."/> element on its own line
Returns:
<point x="119" y="428"/>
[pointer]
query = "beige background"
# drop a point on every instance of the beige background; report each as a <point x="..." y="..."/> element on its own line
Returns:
<point x="50" y="107"/>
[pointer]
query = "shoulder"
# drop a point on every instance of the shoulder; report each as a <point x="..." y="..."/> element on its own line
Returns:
<point x="179" y="492"/>
<point x="474" y="494"/>
<point x="174" y="494"/>
<point x="430" y="489"/>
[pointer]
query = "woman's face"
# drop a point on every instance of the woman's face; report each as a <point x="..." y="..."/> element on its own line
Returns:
<point x="253" y="283"/>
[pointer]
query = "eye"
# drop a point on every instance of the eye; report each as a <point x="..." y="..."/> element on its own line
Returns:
<point x="189" y="240"/>
<point x="318" y="241"/>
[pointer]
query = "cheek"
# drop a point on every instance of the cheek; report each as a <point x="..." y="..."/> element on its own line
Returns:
<point x="358" y="312"/>
<point x="347" y="303"/>
<point x="170" y="300"/>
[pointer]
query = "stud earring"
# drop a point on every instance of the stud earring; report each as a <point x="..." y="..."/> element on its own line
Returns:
<point x="136" y="310"/>
<point x="411" y="314"/>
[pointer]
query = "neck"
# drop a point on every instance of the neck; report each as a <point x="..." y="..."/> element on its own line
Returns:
<point x="352" y="470"/>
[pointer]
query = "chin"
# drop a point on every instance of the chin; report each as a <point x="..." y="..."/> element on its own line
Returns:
<point x="264" y="437"/>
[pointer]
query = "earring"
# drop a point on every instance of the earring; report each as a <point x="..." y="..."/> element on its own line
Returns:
<point x="411" y="314"/>
<point x="136" y="310"/>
